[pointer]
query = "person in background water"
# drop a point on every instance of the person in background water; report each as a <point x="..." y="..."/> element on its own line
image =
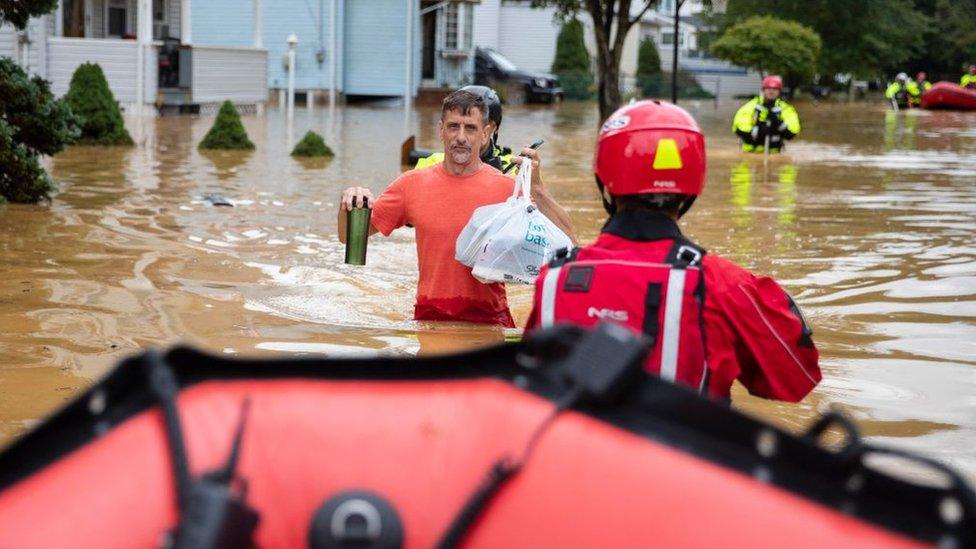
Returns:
<point x="710" y="322"/>
<point x="969" y="80"/>
<point x="438" y="201"/>
<point x="766" y="119"/>
<point x="922" y="83"/>
<point x="491" y="154"/>
<point x="903" y="92"/>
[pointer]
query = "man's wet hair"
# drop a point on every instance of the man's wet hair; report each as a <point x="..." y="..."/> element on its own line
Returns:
<point x="463" y="101"/>
<point x="668" y="203"/>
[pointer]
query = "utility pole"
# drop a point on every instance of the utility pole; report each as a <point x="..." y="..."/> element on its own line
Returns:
<point x="674" y="53"/>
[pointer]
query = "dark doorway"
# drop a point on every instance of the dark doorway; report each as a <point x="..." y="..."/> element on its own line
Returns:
<point x="429" y="42"/>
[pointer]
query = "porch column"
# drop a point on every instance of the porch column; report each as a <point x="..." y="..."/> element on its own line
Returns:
<point x="186" y="29"/>
<point x="144" y="37"/>
<point x="59" y="19"/>
<point x="333" y="54"/>
<point x="258" y="38"/>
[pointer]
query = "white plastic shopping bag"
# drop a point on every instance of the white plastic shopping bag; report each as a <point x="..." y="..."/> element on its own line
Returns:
<point x="511" y="241"/>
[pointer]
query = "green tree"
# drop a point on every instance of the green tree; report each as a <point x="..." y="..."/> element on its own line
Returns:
<point x="18" y="12"/>
<point x="32" y="121"/>
<point x="612" y="20"/>
<point x="953" y="44"/>
<point x="572" y="61"/>
<point x="312" y="145"/>
<point x="648" y="69"/>
<point x="227" y="132"/>
<point x="862" y="37"/>
<point x="92" y="101"/>
<point x="771" y="45"/>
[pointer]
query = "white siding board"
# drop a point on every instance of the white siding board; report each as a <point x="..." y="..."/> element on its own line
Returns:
<point x="528" y="37"/>
<point x="487" y="22"/>
<point x="116" y="57"/>
<point x="236" y="74"/>
<point x="8" y="41"/>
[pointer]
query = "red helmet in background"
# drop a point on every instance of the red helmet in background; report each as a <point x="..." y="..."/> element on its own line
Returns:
<point x="920" y="76"/>
<point x="772" y="81"/>
<point x="650" y="147"/>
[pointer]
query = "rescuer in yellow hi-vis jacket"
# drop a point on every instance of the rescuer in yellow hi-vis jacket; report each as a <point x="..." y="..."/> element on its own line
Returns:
<point x="492" y="154"/>
<point x="969" y="80"/>
<point x="766" y="120"/>
<point x="903" y="93"/>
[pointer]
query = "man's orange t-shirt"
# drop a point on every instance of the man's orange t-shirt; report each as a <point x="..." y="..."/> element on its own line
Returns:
<point x="439" y="205"/>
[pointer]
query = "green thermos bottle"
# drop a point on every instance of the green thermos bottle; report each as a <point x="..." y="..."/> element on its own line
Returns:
<point x="357" y="234"/>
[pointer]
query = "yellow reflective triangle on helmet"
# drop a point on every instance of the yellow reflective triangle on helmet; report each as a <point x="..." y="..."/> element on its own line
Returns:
<point x="667" y="156"/>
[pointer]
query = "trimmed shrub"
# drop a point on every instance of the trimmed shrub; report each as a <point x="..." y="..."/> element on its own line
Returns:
<point x="32" y="123"/>
<point x="227" y="132"/>
<point x="312" y="145"/>
<point x="648" y="69"/>
<point x="572" y="62"/>
<point x="92" y="101"/>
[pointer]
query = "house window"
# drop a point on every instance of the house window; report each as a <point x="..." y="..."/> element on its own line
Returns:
<point x="667" y="39"/>
<point x="458" y="26"/>
<point x="159" y="11"/>
<point x="116" y="18"/>
<point x="451" y="26"/>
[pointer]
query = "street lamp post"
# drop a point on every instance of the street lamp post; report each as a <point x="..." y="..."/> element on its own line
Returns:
<point x="292" y="43"/>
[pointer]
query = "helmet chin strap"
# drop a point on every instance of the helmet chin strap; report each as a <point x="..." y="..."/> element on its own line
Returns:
<point x="686" y="205"/>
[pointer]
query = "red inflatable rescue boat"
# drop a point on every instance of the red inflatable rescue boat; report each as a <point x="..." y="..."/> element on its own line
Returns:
<point x="558" y="441"/>
<point x="950" y="96"/>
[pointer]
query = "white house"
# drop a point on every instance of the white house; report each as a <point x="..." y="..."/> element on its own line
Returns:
<point x="147" y="50"/>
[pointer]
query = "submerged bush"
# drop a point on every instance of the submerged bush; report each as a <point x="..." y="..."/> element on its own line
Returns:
<point x="227" y="132"/>
<point x="312" y="145"/>
<point x="92" y="101"/>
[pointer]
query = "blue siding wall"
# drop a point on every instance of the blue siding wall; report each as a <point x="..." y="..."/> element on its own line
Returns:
<point x="223" y="22"/>
<point x="309" y="20"/>
<point x="374" y="46"/>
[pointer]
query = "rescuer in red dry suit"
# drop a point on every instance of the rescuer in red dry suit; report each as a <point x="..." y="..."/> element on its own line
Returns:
<point x="711" y="322"/>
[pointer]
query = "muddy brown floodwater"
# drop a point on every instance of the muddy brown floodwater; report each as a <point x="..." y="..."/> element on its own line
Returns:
<point x="869" y="220"/>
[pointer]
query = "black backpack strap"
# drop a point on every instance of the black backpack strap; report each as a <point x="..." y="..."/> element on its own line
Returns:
<point x="563" y="256"/>
<point x="685" y="253"/>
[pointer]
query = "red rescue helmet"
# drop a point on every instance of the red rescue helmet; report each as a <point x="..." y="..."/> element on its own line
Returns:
<point x="650" y="147"/>
<point x="772" y="81"/>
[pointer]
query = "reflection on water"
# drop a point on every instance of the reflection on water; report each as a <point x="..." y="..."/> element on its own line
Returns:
<point x="867" y="218"/>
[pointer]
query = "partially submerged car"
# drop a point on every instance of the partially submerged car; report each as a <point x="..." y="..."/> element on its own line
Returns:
<point x="513" y="84"/>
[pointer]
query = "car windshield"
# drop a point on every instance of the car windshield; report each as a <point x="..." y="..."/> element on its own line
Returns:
<point x="500" y="61"/>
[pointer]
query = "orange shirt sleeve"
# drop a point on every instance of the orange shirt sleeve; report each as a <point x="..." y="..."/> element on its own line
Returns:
<point x="390" y="209"/>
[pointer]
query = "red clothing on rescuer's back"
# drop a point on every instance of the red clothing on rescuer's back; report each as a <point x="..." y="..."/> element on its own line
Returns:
<point x="439" y="205"/>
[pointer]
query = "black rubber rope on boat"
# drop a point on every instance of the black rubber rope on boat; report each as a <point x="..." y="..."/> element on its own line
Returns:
<point x="162" y="383"/>
<point x="500" y="473"/>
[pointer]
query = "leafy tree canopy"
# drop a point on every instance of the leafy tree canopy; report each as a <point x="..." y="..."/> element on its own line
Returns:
<point x="771" y="45"/>
<point x="862" y="37"/>
<point x="18" y="12"/>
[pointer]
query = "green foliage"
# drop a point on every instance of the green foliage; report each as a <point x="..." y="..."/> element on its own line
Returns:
<point x="227" y="132"/>
<point x="572" y="62"/>
<point x="312" y="145"/>
<point x="17" y="12"/>
<point x="659" y="85"/>
<point x="32" y="123"/>
<point x="771" y="45"/>
<point x="92" y="101"/>
<point x="862" y="37"/>
<point x="953" y="44"/>
<point x="649" y="69"/>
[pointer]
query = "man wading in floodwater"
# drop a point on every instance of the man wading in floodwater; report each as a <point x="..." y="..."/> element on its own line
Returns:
<point x="438" y="201"/>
